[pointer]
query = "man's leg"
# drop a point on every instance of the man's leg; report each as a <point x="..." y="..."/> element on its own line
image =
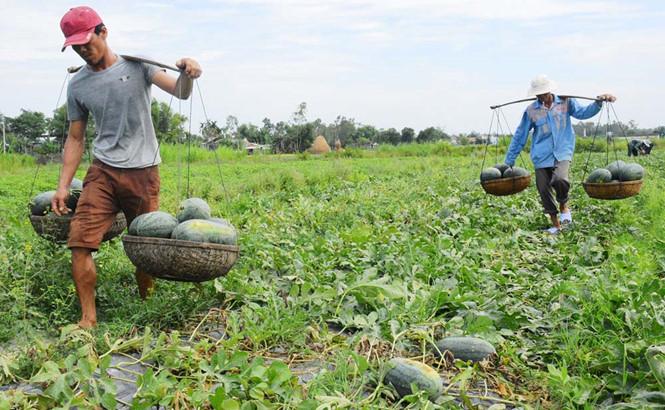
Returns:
<point x="85" y="279"/>
<point x="94" y="215"/>
<point x="140" y="194"/>
<point x="561" y="185"/>
<point x="543" y="183"/>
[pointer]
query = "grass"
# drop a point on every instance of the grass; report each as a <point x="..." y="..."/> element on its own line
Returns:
<point x="350" y="259"/>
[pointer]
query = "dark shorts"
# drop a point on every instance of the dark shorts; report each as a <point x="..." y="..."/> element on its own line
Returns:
<point x="106" y="191"/>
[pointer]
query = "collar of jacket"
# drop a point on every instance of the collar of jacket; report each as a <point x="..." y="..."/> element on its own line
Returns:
<point x="557" y="100"/>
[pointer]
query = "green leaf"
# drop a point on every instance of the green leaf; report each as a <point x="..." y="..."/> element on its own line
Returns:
<point x="48" y="373"/>
<point x="656" y="360"/>
<point x="108" y="401"/>
<point x="230" y="404"/>
<point x="278" y="373"/>
<point x="218" y="398"/>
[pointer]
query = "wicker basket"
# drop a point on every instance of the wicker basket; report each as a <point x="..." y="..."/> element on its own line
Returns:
<point x="612" y="190"/>
<point x="56" y="228"/>
<point x="178" y="260"/>
<point x="506" y="186"/>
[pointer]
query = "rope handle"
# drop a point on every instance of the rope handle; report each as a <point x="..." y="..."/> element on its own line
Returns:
<point x="607" y="107"/>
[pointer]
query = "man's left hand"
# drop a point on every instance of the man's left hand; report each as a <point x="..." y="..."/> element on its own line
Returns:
<point x="190" y="67"/>
<point x="606" y="97"/>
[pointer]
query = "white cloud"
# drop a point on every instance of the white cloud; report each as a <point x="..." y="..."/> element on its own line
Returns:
<point x="387" y="62"/>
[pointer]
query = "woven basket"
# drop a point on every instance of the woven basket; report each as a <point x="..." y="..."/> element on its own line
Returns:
<point x="174" y="259"/>
<point x="56" y="228"/>
<point x="506" y="186"/>
<point x="612" y="190"/>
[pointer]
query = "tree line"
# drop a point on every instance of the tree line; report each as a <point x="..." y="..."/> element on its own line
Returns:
<point x="34" y="132"/>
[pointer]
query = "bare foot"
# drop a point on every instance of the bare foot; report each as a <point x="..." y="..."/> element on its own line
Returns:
<point x="87" y="323"/>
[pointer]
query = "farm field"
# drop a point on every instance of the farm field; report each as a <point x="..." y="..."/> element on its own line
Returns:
<point x="347" y="261"/>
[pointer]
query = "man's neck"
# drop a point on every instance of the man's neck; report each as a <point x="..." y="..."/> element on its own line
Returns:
<point x="107" y="61"/>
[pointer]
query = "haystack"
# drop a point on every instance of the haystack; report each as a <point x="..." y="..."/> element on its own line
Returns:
<point x="319" y="146"/>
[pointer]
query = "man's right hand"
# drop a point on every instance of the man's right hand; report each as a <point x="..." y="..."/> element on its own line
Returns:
<point x="59" y="202"/>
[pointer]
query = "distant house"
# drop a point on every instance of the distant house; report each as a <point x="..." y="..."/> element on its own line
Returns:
<point x="483" y="139"/>
<point x="42" y="140"/>
<point x="251" y="147"/>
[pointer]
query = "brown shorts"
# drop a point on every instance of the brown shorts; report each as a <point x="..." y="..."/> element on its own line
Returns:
<point x="106" y="191"/>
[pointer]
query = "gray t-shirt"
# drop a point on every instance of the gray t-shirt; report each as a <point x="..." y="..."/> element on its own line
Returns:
<point x="119" y="99"/>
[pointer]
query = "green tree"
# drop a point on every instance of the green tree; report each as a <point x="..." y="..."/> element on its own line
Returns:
<point x="249" y="132"/>
<point x="660" y="131"/>
<point x="408" y="135"/>
<point x="432" y="134"/>
<point x="299" y="117"/>
<point x="365" y="134"/>
<point x="266" y="132"/>
<point x="390" y="136"/>
<point x="280" y="137"/>
<point x="28" y="127"/>
<point x="212" y="135"/>
<point x="169" y="126"/>
<point x="230" y="130"/>
<point x="58" y="127"/>
<point x="344" y="129"/>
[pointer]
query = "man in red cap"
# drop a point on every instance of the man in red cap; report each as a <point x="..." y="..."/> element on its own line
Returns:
<point x="124" y="175"/>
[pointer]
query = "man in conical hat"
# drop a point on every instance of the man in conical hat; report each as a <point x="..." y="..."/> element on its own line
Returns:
<point x="552" y="144"/>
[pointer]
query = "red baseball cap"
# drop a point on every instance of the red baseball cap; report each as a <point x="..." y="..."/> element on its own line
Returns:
<point x="78" y="24"/>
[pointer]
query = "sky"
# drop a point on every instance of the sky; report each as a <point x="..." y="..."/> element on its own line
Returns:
<point x="388" y="63"/>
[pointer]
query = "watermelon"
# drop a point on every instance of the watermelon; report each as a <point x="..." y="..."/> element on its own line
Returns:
<point x="465" y="348"/>
<point x="615" y="168"/>
<point x="404" y="373"/>
<point x="221" y="221"/>
<point x="73" y="199"/>
<point x="600" y="175"/>
<point x="155" y="224"/>
<point x="502" y="167"/>
<point x="631" y="172"/>
<point x="515" y="172"/>
<point x="201" y="230"/>
<point x="489" y="174"/>
<point x="193" y="208"/>
<point x="41" y="203"/>
<point x="76" y="185"/>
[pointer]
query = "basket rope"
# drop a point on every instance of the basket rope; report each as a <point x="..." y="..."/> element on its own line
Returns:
<point x="61" y="144"/>
<point x="500" y="133"/>
<point x="607" y="108"/>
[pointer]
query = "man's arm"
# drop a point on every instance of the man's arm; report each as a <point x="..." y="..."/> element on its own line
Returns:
<point x="71" y="157"/>
<point x="583" y="113"/>
<point x="519" y="140"/>
<point x="182" y="86"/>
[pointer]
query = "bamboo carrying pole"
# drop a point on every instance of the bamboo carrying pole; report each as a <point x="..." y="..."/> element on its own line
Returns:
<point x="74" y="69"/>
<point x="534" y="98"/>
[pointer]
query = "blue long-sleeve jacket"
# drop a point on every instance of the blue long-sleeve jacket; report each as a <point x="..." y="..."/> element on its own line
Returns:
<point x="553" y="137"/>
